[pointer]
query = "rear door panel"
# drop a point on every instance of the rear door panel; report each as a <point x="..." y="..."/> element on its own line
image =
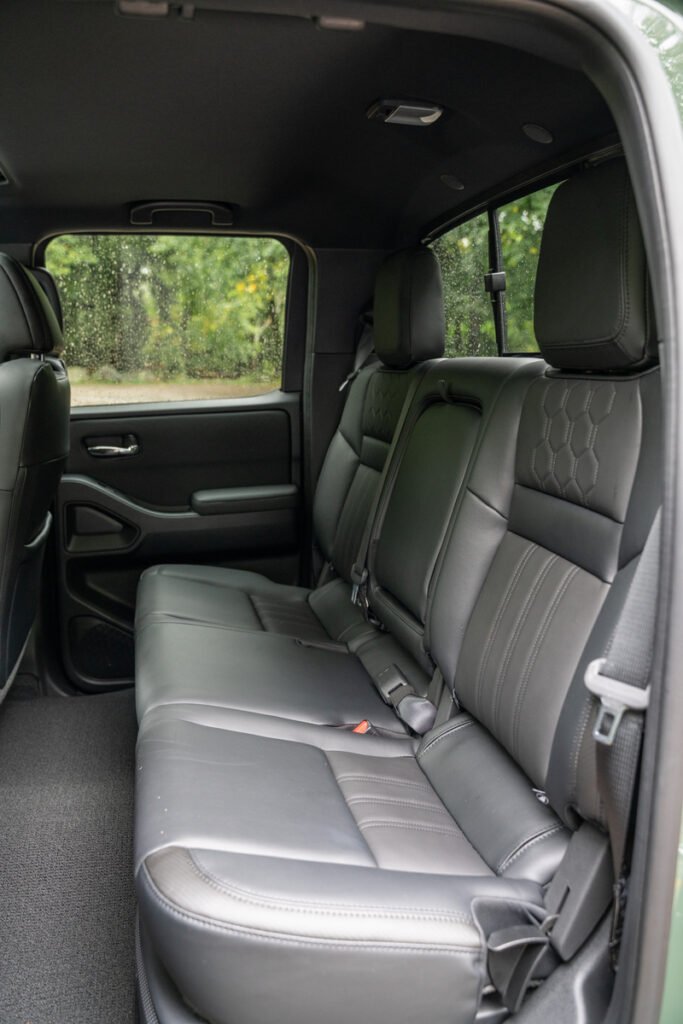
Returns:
<point x="118" y="515"/>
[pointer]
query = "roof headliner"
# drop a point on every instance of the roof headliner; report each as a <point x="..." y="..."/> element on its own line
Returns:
<point x="266" y="113"/>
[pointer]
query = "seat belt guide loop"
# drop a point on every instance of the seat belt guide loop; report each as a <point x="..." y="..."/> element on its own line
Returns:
<point x="615" y="699"/>
<point x="347" y="380"/>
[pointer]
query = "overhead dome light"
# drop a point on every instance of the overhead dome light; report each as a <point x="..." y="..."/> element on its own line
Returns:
<point x="340" y="24"/>
<point x="411" y="112"/>
<point x="537" y="133"/>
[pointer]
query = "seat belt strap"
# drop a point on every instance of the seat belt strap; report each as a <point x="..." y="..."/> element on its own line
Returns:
<point x="447" y="704"/>
<point x="365" y="350"/>
<point x="359" y="569"/>
<point x="584" y="885"/>
<point x="621" y="683"/>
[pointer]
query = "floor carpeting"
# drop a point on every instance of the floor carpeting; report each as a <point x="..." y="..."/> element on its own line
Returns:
<point x="67" y="905"/>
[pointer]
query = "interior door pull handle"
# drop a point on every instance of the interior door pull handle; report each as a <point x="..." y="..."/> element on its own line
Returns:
<point x="113" y="451"/>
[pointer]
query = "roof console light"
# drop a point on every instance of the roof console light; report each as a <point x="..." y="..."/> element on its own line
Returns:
<point x="337" y="24"/>
<point x="419" y="113"/>
<point x="154" y="8"/>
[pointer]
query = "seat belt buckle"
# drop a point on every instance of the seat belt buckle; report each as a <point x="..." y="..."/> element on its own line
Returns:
<point x="615" y="699"/>
<point x="363" y="728"/>
<point x="392" y="685"/>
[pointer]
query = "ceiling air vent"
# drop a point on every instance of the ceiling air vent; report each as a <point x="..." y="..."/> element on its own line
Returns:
<point x="412" y="112"/>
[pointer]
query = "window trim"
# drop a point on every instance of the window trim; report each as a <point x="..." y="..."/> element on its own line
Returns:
<point x="496" y="265"/>
<point x="518" y="190"/>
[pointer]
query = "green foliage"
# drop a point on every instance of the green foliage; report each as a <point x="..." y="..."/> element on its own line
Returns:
<point x="521" y="226"/>
<point x="166" y="306"/>
<point x="464" y="257"/>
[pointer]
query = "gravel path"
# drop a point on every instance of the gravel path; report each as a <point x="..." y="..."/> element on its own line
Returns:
<point x="86" y="393"/>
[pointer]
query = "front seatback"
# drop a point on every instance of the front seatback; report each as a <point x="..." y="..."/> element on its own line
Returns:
<point x="408" y="330"/>
<point x="34" y="444"/>
<point x="47" y="282"/>
<point x="587" y="486"/>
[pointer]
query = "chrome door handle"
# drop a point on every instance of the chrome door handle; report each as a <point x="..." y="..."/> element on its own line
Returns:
<point x="113" y="451"/>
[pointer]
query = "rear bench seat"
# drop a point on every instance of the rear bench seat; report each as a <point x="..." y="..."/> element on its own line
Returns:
<point x="292" y="870"/>
<point x="408" y="331"/>
<point x="463" y="419"/>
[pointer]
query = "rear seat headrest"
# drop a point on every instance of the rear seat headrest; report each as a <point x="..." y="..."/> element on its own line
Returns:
<point x="27" y="321"/>
<point x="408" y="308"/>
<point x="592" y="292"/>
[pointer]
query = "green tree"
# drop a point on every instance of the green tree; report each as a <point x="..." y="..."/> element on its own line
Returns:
<point x="172" y="305"/>
<point x="464" y="257"/>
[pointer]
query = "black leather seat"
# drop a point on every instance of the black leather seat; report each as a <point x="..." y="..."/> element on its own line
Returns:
<point x="460" y="407"/>
<point x="292" y="871"/>
<point x="34" y="444"/>
<point x="408" y="331"/>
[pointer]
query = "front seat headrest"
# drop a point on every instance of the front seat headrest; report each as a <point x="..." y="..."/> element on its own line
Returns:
<point x="408" y="308"/>
<point x="47" y="282"/>
<point x="28" y="324"/>
<point x="592" y="303"/>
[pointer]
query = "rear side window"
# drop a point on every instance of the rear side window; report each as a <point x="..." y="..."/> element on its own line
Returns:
<point x="161" y="318"/>
<point x="507" y="239"/>
<point x="464" y="257"/>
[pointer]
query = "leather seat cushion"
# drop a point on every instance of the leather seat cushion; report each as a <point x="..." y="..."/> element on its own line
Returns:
<point x="225" y="597"/>
<point x="246" y="600"/>
<point x="181" y="662"/>
<point x="277" y="861"/>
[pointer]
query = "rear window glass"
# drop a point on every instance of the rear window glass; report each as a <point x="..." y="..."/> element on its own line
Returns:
<point x="463" y="254"/>
<point x="159" y="318"/>
<point x="521" y="226"/>
<point x="464" y="258"/>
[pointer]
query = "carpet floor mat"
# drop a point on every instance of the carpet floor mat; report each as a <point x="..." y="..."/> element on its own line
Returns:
<point x="67" y="902"/>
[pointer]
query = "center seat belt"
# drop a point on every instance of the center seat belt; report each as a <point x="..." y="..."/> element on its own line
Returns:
<point x="364" y="355"/>
<point x="365" y="349"/>
<point x="406" y="419"/>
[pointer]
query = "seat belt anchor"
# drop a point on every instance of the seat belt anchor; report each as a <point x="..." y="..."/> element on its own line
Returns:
<point x="359" y="578"/>
<point x="615" y="698"/>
